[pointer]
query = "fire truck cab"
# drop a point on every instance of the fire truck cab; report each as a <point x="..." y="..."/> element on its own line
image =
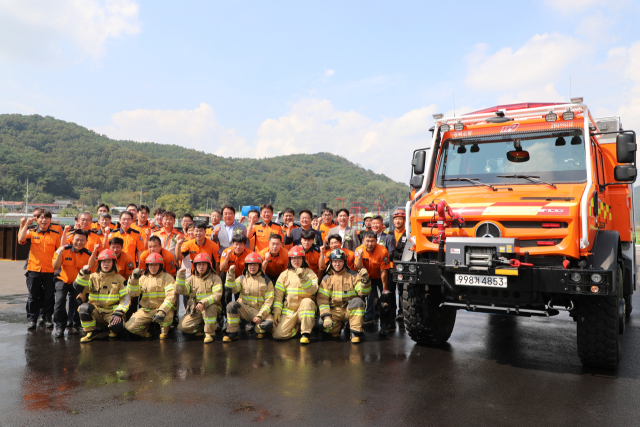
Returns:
<point x="523" y="210"/>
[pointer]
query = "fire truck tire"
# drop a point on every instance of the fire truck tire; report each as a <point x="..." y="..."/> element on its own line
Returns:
<point x="426" y="322"/>
<point x="599" y="340"/>
<point x="629" y="304"/>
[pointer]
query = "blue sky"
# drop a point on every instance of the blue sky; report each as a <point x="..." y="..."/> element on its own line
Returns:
<point x="359" y="79"/>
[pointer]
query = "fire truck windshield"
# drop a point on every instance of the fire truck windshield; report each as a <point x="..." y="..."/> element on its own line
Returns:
<point x="555" y="157"/>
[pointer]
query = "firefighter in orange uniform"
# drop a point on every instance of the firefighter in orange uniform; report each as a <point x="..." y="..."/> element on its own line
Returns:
<point x="327" y="223"/>
<point x="375" y="258"/>
<point x="313" y="253"/>
<point x="69" y="260"/>
<point x="199" y="244"/>
<point x="335" y="242"/>
<point x="155" y="247"/>
<point x="168" y="234"/>
<point x="133" y="240"/>
<point x="265" y="228"/>
<point x="44" y="242"/>
<point x="275" y="258"/>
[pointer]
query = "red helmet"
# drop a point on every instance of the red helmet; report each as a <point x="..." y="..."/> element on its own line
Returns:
<point x="296" y="251"/>
<point x="400" y="213"/>
<point x="154" y="259"/>
<point x="107" y="254"/>
<point x="202" y="257"/>
<point x="253" y="258"/>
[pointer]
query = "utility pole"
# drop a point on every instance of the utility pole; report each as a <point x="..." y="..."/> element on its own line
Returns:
<point x="140" y="195"/>
<point x="26" y="206"/>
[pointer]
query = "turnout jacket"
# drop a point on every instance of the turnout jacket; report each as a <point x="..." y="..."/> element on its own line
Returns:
<point x="256" y="291"/>
<point x="156" y="292"/>
<point x="291" y="289"/>
<point x="106" y="290"/>
<point x="206" y="289"/>
<point x="338" y="288"/>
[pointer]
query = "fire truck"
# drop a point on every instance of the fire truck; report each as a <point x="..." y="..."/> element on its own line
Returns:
<point x="523" y="210"/>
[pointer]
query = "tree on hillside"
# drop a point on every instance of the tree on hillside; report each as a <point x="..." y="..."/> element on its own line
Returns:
<point x="179" y="203"/>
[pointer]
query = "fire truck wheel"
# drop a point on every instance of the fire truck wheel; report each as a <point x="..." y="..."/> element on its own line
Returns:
<point x="599" y="340"/>
<point x="628" y="304"/>
<point x="424" y="320"/>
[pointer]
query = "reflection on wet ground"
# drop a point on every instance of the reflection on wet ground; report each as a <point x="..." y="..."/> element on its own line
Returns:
<point x="496" y="370"/>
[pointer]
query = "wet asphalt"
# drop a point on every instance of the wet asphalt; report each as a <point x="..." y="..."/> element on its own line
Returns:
<point x="494" y="371"/>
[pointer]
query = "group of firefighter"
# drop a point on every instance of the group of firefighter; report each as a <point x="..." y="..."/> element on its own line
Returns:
<point x="276" y="278"/>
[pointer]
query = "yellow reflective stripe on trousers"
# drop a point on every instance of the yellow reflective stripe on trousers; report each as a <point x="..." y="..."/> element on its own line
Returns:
<point x="356" y="312"/>
<point x="209" y="321"/>
<point x="87" y="324"/>
<point x="233" y="319"/>
<point x="307" y="313"/>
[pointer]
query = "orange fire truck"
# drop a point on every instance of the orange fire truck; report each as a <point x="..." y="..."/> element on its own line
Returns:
<point x="523" y="210"/>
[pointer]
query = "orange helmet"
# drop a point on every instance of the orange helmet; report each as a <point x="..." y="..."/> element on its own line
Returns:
<point x="253" y="258"/>
<point x="202" y="257"/>
<point x="154" y="259"/>
<point x="107" y="254"/>
<point x="400" y="212"/>
<point x="296" y="251"/>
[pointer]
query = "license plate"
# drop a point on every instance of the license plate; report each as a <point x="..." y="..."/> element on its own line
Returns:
<point x="475" y="280"/>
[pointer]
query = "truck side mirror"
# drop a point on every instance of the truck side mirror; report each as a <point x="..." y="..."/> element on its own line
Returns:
<point x="418" y="162"/>
<point x="626" y="173"/>
<point x="626" y="148"/>
<point x="416" y="181"/>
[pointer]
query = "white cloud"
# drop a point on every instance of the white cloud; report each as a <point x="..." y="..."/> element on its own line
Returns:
<point x="541" y="60"/>
<point x="574" y="6"/>
<point x="313" y="125"/>
<point x="329" y="73"/>
<point x="630" y="110"/>
<point x="198" y="129"/>
<point x="62" y="31"/>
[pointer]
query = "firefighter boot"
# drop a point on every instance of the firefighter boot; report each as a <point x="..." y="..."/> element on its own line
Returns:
<point x="305" y="339"/>
<point x="91" y="335"/>
<point x="208" y="338"/>
<point x="230" y="337"/>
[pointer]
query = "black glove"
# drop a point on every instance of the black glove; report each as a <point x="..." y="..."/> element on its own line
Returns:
<point x="158" y="317"/>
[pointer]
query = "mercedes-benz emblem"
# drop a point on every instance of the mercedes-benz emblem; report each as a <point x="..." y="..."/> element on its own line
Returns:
<point x="488" y="229"/>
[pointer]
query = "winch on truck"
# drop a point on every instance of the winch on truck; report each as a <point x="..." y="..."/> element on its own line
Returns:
<point x="524" y="210"/>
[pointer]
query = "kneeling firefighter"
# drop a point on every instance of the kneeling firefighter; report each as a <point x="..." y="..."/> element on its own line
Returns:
<point x="295" y="298"/>
<point x="105" y="304"/>
<point x="204" y="289"/>
<point x="255" y="299"/>
<point x="157" y="301"/>
<point x="340" y="296"/>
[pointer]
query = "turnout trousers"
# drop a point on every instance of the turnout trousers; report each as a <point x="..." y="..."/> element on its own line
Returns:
<point x="206" y="320"/>
<point x="99" y="317"/>
<point x="141" y="320"/>
<point x="244" y="312"/>
<point x="291" y="321"/>
<point x="341" y="315"/>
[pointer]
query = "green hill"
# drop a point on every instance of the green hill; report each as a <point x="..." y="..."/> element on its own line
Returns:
<point x="69" y="161"/>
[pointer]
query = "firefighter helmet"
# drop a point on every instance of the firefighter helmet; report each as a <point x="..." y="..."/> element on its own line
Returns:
<point x="253" y="258"/>
<point x="154" y="259"/>
<point x="296" y="251"/>
<point x="367" y="215"/>
<point x="107" y="254"/>
<point x="201" y="257"/>
<point x="337" y="254"/>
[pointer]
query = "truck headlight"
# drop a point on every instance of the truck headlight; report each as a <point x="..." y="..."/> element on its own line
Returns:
<point x="412" y="269"/>
<point x="399" y="268"/>
<point x="596" y="277"/>
<point x="575" y="277"/>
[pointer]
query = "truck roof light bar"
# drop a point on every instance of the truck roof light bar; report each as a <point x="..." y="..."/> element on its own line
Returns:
<point x="578" y="100"/>
<point x="551" y="116"/>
